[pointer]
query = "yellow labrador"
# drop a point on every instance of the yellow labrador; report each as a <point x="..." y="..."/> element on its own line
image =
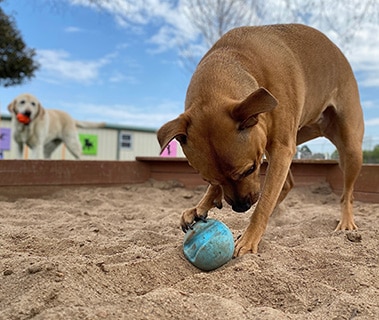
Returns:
<point x="43" y="130"/>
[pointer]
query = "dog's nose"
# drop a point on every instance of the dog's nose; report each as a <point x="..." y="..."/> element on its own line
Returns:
<point x="242" y="205"/>
<point x="27" y="113"/>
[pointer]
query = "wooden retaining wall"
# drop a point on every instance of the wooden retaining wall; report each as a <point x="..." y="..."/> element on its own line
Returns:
<point x="305" y="172"/>
<point x="30" y="178"/>
<point x="34" y="178"/>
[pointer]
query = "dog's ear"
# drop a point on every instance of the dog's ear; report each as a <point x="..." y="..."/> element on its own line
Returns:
<point x="246" y="112"/>
<point x="41" y="110"/>
<point x="175" y="129"/>
<point x="12" y="106"/>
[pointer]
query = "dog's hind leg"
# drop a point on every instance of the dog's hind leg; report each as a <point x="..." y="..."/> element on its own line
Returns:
<point x="350" y="163"/>
<point x="49" y="148"/>
<point x="73" y="145"/>
<point x="346" y="130"/>
<point x="20" y="150"/>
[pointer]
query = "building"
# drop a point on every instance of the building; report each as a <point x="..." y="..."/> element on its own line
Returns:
<point x="112" y="142"/>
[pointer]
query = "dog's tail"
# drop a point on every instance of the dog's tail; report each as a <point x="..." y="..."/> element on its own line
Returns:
<point x="87" y="124"/>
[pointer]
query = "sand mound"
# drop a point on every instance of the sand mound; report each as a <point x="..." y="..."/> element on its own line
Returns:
<point x="116" y="253"/>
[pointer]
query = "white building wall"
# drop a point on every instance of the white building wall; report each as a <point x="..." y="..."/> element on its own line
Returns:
<point x="144" y="143"/>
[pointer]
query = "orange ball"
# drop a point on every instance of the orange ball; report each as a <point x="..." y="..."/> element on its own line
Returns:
<point x="23" y="118"/>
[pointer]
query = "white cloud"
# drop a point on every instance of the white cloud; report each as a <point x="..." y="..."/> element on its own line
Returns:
<point x="125" y="12"/>
<point x="372" y="122"/>
<point x="370" y="104"/>
<point x="371" y="79"/>
<point x="72" y="29"/>
<point x="58" y="65"/>
<point x="118" y="77"/>
<point x="363" y="54"/>
<point x="337" y="20"/>
<point x="168" y="18"/>
<point x="123" y="114"/>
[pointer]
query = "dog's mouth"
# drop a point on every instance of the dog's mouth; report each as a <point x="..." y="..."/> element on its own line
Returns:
<point x="23" y="118"/>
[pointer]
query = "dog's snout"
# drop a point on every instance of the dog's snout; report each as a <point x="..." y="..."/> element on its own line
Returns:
<point x="27" y="113"/>
<point x="242" y="205"/>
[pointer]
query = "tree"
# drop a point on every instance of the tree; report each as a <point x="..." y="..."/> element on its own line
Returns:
<point x="305" y="152"/>
<point x="371" y="156"/>
<point x="212" y="18"/>
<point x="335" y="155"/>
<point x="16" y="60"/>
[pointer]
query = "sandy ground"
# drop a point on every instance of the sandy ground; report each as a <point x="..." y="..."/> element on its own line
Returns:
<point x="116" y="253"/>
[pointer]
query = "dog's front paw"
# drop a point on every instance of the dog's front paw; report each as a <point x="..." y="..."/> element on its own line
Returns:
<point x="244" y="245"/>
<point x="189" y="216"/>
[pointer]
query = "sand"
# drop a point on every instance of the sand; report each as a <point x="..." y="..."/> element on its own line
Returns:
<point x="116" y="253"/>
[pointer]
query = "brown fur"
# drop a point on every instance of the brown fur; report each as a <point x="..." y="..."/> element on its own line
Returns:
<point x="262" y="91"/>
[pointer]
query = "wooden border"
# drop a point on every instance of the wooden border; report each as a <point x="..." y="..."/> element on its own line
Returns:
<point x="305" y="172"/>
<point x="366" y="187"/>
<point x="36" y="178"/>
<point x="24" y="178"/>
<point x="67" y="172"/>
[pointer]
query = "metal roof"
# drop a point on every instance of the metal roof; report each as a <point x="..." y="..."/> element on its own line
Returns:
<point x="118" y="127"/>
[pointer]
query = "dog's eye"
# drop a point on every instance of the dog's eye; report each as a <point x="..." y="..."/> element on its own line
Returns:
<point x="33" y="103"/>
<point x="250" y="171"/>
<point x="22" y="101"/>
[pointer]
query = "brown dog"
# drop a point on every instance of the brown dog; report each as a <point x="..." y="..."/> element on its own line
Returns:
<point x="262" y="91"/>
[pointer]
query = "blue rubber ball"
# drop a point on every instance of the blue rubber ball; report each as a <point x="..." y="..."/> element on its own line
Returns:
<point x="209" y="244"/>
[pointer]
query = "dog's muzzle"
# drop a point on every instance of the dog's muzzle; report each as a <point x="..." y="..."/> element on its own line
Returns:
<point x="242" y="205"/>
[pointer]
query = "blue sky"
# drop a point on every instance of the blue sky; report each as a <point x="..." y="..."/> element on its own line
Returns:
<point x="121" y="64"/>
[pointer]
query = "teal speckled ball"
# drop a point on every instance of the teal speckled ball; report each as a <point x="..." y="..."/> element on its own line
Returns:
<point x="209" y="244"/>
